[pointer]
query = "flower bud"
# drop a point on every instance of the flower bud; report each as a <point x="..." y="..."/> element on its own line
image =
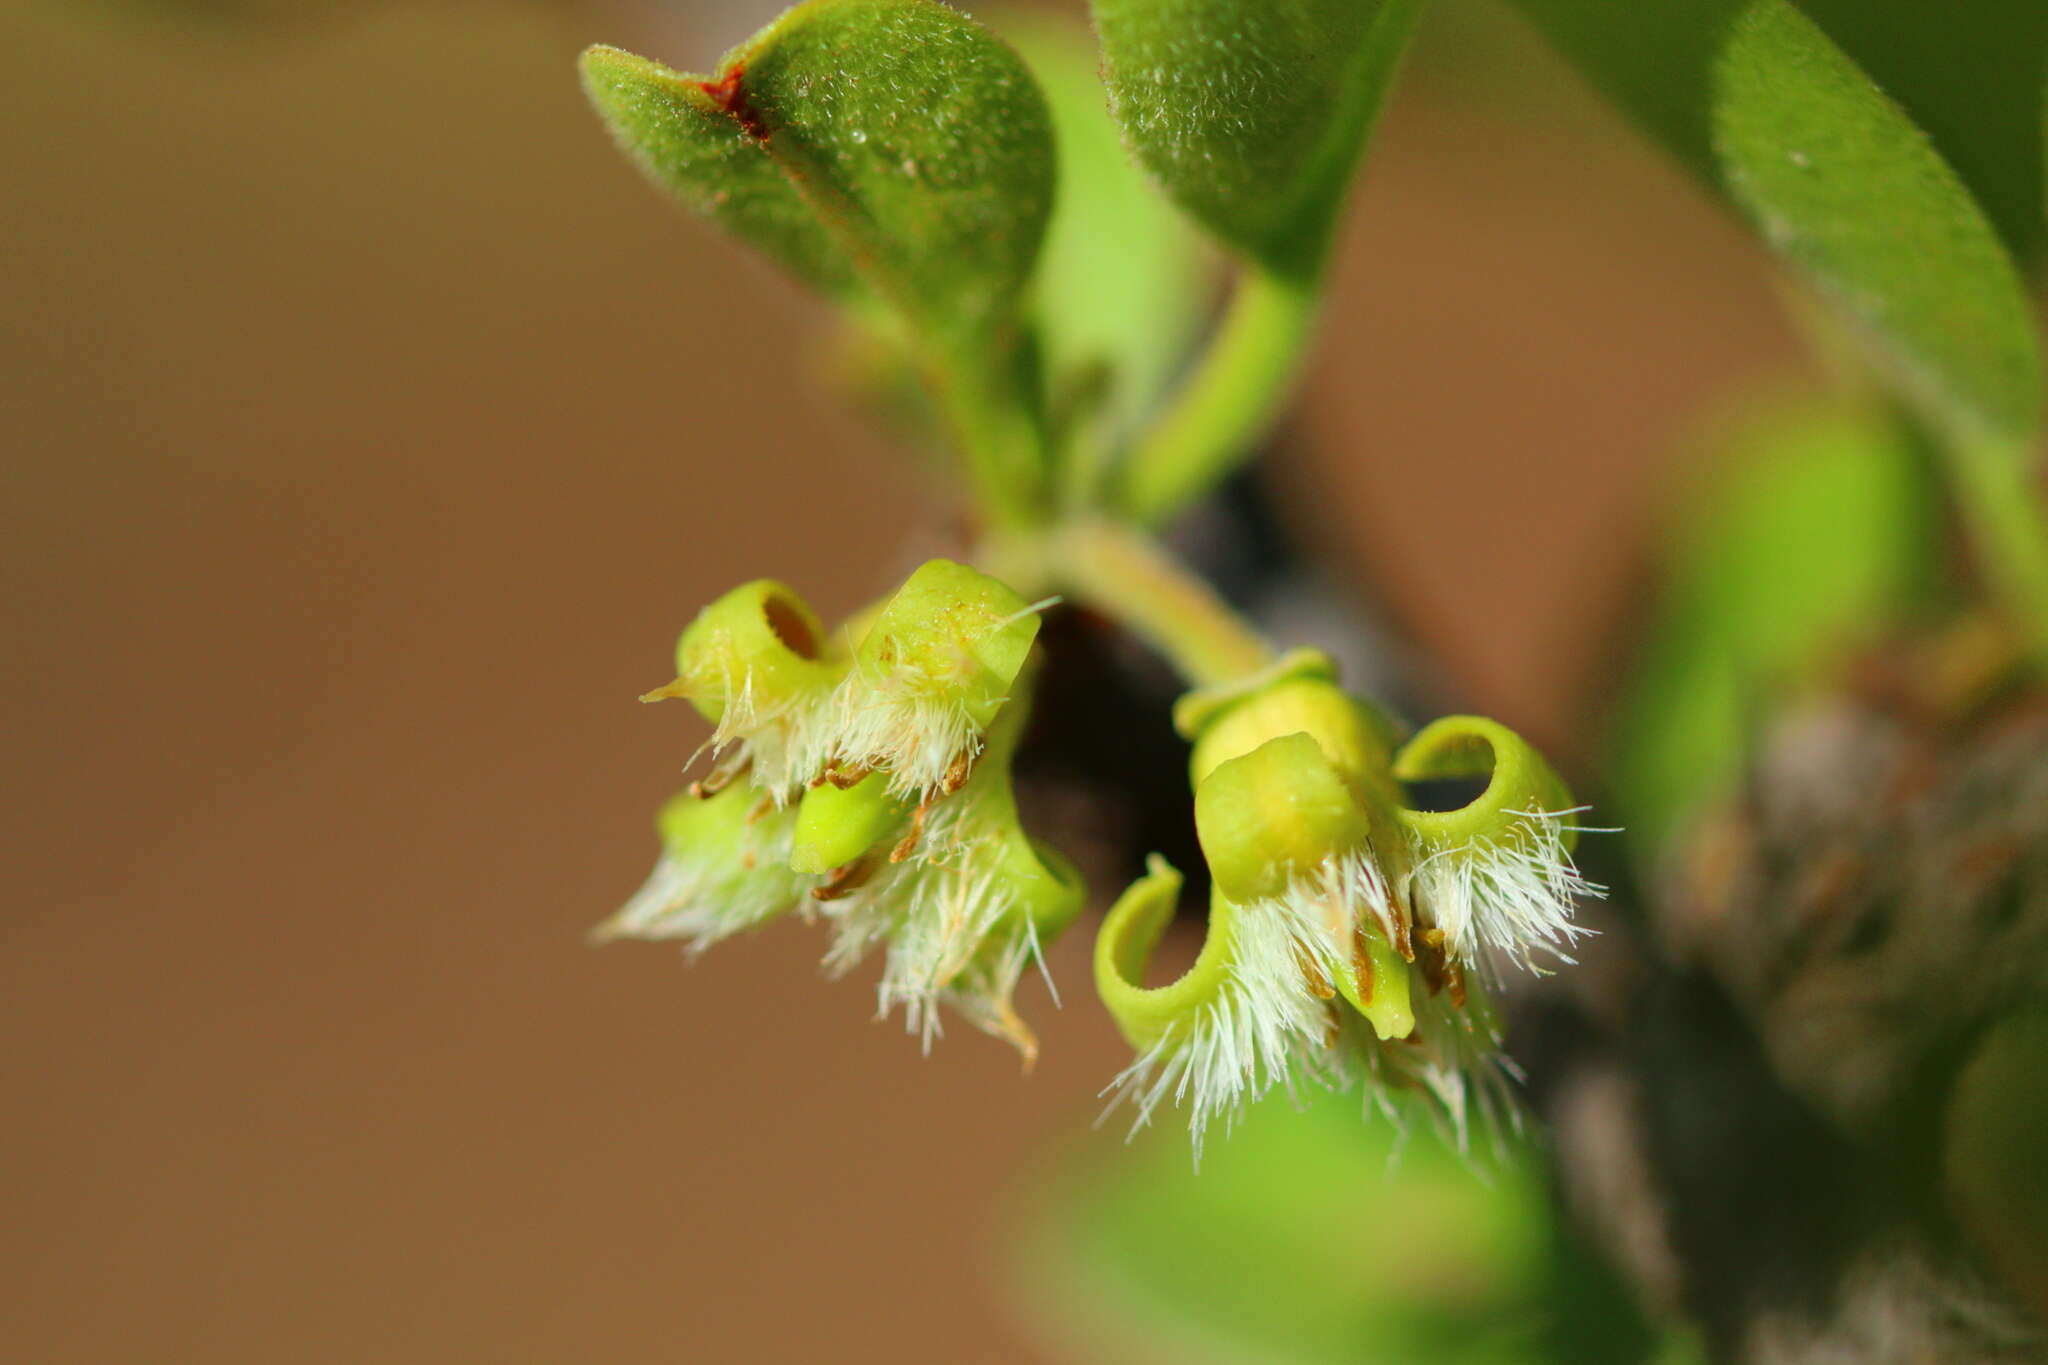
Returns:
<point x="1355" y="737"/>
<point x="1295" y="799"/>
<point x="1355" y="740"/>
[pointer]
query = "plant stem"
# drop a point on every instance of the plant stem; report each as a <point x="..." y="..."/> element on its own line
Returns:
<point x="2003" y="507"/>
<point x="1235" y="392"/>
<point x="1000" y="446"/>
<point x="1129" y="576"/>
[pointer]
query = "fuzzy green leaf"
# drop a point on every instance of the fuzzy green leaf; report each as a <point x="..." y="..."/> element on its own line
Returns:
<point x="1971" y="73"/>
<point x="1837" y="179"/>
<point x="891" y="148"/>
<point x="1253" y="115"/>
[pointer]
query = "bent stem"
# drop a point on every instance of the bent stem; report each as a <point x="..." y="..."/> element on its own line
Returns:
<point x="1126" y="575"/>
<point x="1233" y="396"/>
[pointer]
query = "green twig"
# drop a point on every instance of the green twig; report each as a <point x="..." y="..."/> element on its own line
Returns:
<point x="1130" y="577"/>
<point x="1248" y="373"/>
<point x="1234" y="394"/>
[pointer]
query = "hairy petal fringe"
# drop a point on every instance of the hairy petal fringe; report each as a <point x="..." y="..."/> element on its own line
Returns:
<point x="1513" y="897"/>
<point x="703" y="899"/>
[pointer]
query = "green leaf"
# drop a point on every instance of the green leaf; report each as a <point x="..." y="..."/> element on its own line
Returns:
<point x="1837" y="179"/>
<point x="1971" y="73"/>
<point x="1124" y="279"/>
<point x="892" y="148"/>
<point x="1253" y="115"/>
<point x="1303" y="1240"/>
<point x="1811" y="527"/>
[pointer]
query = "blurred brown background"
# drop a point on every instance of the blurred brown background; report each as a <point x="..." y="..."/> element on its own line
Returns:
<point x="369" y="429"/>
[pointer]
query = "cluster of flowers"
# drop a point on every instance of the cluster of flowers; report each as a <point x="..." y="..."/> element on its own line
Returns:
<point x="1351" y="936"/>
<point x="865" y="778"/>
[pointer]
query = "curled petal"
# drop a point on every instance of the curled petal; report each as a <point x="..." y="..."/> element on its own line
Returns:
<point x="1496" y="873"/>
<point x="1248" y="1015"/>
<point x="761" y="639"/>
<point x="757" y="665"/>
<point x="1124" y="947"/>
<point x="1518" y="781"/>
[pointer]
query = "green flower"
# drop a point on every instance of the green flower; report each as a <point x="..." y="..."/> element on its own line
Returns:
<point x="866" y="779"/>
<point x="1351" y="937"/>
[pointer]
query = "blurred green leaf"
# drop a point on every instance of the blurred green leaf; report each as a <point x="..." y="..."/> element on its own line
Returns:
<point x="1994" y="1135"/>
<point x="1838" y="180"/>
<point x="1971" y="73"/>
<point x="1253" y="113"/>
<point x="1303" y="1240"/>
<point x="1124" y="279"/>
<point x="892" y="147"/>
<point x="1810" y="526"/>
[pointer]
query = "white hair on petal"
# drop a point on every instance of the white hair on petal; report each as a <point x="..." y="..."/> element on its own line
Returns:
<point x="920" y="739"/>
<point x="907" y="720"/>
<point x="704" y="895"/>
<point x="945" y="914"/>
<point x="1513" y="896"/>
<point x="1269" y="1025"/>
<point x="1352" y="889"/>
<point x="784" y="747"/>
<point x="1452" y="1060"/>
<point x="1264" y="1026"/>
